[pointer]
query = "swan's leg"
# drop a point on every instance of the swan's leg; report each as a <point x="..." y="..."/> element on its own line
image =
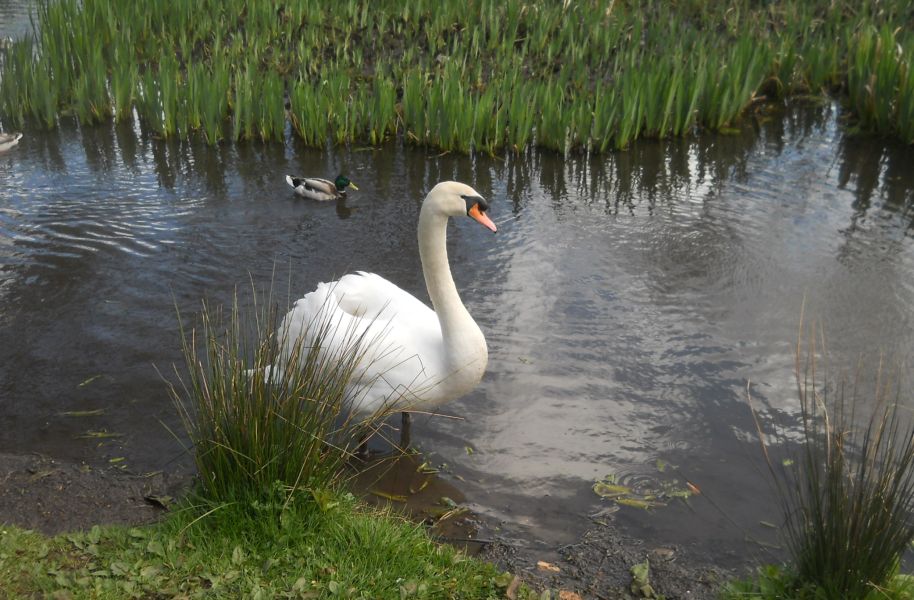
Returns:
<point x="404" y="431"/>
<point x="361" y="450"/>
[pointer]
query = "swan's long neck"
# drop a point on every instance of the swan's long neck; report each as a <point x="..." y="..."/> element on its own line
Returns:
<point x="462" y="338"/>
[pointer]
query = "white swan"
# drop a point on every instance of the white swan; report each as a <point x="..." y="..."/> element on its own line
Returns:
<point x="418" y="358"/>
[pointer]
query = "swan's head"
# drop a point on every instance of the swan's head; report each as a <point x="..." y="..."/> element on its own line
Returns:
<point x="456" y="199"/>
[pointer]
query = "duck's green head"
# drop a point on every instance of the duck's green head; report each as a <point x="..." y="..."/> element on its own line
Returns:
<point x="342" y="182"/>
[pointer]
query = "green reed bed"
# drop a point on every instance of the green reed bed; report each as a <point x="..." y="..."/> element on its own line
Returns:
<point x="478" y="75"/>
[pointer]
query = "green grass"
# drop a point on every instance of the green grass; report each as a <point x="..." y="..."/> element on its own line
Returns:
<point x="334" y="549"/>
<point x="848" y="495"/>
<point x="261" y="410"/>
<point x="477" y="76"/>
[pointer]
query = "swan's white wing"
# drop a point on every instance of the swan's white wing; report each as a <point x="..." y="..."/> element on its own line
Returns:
<point x="402" y="336"/>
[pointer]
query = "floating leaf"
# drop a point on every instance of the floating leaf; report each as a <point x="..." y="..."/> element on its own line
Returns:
<point x="116" y="459"/>
<point x="91" y="435"/>
<point x="393" y="497"/>
<point x="83" y="413"/>
<point x="644" y="503"/>
<point x="610" y="490"/>
<point x="86" y="382"/>
<point x="421" y="487"/>
<point x="445" y="501"/>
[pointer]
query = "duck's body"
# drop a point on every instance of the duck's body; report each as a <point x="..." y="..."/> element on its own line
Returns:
<point x="8" y="140"/>
<point x="417" y="358"/>
<point x="320" y="189"/>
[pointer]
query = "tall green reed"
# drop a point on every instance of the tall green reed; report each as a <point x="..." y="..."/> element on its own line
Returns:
<point x="848" y="495"/>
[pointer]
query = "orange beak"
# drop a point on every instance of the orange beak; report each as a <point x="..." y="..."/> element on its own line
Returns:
<point x="482" y="218"/>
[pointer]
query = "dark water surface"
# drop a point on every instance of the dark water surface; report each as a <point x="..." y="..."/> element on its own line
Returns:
<point x="627" y="299"/>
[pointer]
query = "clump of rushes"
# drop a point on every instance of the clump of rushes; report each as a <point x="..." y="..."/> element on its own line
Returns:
<point x="594" y="75"/>
<point x="848" y="495"/>
<point x="260" y="417"/>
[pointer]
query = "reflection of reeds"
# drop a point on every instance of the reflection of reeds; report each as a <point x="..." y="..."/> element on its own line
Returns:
<point x="593" y="75"/>
<point x="848" y="495"/>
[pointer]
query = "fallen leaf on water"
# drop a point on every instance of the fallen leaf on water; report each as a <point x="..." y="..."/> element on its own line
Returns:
<point x="694" y="488"/>
<point x="88" y="381"/>
<point x="639" y="503"/>
<point x="454" y="512"/>
<point x="394" y="497"/>
<point x="91" y="435"/>
<point x="116" y="459"/>
<point x="768" y="524"/>
<point x="568" y="595"/>
<point x="468" y="449"/>
<point x="421" y="487"/>
<point x="83" y="413"/>
<point x="426" y="468"/>
<point x="610" y="490"/>
<point x="542" y="565"/>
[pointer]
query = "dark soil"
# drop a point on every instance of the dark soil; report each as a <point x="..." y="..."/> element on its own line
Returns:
<point x="51" y="496"/>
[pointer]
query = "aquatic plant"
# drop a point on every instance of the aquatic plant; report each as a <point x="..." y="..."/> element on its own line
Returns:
<point x="439" y="74"/>
<point x="848" y="495"/>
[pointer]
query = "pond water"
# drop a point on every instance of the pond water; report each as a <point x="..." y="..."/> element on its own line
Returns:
<point x="628" y="300"/>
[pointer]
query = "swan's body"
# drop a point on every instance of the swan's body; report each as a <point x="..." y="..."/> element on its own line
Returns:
<point x="417" y="358"/>
<point x="8" y="140"/>
<point x="320" y="189"/>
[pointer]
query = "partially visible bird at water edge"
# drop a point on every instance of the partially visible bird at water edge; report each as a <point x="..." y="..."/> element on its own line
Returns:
<point x="8" y="140"/>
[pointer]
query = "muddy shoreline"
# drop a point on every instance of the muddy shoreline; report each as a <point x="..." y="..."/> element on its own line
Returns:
<point x="54" y="496"/>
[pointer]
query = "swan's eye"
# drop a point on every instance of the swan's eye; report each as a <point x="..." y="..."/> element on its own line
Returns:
<point x="472" y="201"/>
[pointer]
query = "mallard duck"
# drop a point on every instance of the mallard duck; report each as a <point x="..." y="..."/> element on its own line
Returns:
<point x="320" y="189"/>
<point x="425" y="356"/>
<point x="8" y="140"/>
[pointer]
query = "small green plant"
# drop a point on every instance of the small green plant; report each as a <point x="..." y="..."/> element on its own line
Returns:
<point x="261" y="412"/>
<point x="848" y="496"/>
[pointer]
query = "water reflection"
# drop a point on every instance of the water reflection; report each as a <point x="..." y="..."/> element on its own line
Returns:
<point x="627" y="298"/>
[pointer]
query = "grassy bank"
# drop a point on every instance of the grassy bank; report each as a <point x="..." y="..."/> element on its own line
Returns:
<point x="338" y="549"/>
<point x="482" y="75"/>
<point x="270" y="516"/>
